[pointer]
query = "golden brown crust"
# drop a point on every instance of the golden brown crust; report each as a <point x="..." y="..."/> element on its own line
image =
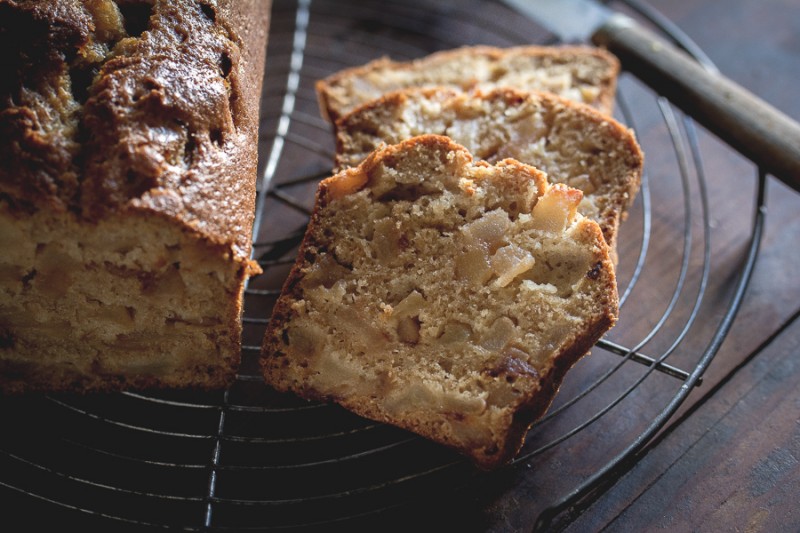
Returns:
<point x="333" y="105"/>
<point x="37" y="123"/>
<point x="313" y="372"/>
<point x="170" y="117"/>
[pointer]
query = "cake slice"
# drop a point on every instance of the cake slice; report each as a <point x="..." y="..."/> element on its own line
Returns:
<point x="442" y="295"/>
<point x="580" y="73"/>
<point x="573" y="143"/>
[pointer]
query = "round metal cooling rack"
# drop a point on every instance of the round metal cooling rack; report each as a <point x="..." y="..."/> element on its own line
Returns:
<point x="252" y="459"/>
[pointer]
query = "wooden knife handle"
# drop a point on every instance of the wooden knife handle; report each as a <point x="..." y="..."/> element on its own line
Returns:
<point x="765" y="135"/>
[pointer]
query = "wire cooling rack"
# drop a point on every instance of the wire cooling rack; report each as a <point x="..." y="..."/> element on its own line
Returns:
<point x="252" y="459"/>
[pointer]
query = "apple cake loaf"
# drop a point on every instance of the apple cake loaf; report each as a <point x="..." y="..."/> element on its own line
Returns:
<point x="127" y="184"/>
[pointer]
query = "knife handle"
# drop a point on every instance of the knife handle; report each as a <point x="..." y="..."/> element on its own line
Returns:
<point x="765" y="135"/>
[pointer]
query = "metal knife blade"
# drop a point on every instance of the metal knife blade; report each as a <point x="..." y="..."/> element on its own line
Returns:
<point x="570" y="20"/>
<point x="765" y="135"/>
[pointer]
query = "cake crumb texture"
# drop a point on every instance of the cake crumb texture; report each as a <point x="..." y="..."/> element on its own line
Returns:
<point x="572" y="143"/>
<point x="443" y="295"/>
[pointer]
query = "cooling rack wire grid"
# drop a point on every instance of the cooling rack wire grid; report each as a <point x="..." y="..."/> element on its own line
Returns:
<point x="252" y="459"/>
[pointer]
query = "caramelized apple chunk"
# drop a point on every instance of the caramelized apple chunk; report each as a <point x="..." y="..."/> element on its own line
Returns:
<point x="487" y="232"/>
<point x="556" y="209"/>
<point x="509" y="262"/>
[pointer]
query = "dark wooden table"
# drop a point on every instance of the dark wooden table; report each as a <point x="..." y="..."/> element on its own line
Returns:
<point x="728" y="460"/>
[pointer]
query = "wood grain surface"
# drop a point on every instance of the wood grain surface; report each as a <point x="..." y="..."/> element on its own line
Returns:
<point x="728" y="460"/>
